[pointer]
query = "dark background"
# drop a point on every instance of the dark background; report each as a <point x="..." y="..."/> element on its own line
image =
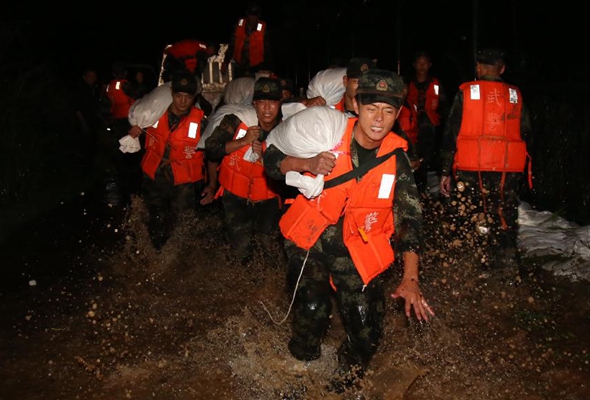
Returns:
<point x="308" y="35"/>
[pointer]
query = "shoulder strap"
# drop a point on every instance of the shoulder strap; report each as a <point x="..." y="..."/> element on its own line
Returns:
<point x="361" y="170"/>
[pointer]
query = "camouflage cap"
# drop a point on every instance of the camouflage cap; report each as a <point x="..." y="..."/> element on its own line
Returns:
<point x="267" y="89"/>
<point x="357" y="65"/>
<point x="381" y="86"/>
<point x="184" y="82"/>
<point x="490" y="56"/>
<point x="287" y="84"/>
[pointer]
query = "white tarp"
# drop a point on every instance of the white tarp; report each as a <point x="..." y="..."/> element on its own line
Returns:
<point x="542" y="233"/>
<point x="306" y="134"/>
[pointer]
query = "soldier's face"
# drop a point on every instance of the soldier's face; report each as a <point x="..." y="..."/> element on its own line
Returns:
<point x="267" y="111"/>
<point x="375" y="122"/>
<point x="182" y="102"/>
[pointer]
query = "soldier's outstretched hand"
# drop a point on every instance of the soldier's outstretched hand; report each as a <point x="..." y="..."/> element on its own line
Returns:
<point x="410" y="291"/>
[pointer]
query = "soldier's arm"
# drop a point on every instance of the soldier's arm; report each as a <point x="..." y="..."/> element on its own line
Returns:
<point x="223" y="133"/>
<point x="407" y="209"/>
<point x="450" y="134"/>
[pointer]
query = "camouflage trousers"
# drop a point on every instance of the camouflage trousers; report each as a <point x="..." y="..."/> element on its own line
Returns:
<point x="485" y="213"/>
<point x="361" y="309"/>
<point x="427" y="149"/>
<point x="244" y="220"/>
<point x="167" y="203"/>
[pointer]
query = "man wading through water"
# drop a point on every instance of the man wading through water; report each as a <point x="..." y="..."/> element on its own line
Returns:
<point x="346" y="243"/>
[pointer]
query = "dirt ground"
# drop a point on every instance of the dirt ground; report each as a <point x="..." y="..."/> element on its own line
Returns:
<point x="113" y="319"/>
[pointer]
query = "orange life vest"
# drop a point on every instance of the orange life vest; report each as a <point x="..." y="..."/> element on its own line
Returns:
<point x="187" y="163"/>
<point x="120" y="101"/>
<point x="489" y="138"/>
<point x="367" y="206"/>
<point x="408" y="120"/>
<point x="186" y="51"/>
<point x="244" y="178"/>
<point x="430" y="102"/>
<point x="340" y="106"/>
<point x="255" y="42"/>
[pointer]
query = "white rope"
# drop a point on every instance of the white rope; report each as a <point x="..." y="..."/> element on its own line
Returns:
<point x="292" y="299"/>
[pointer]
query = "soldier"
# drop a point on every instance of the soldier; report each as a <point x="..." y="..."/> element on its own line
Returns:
<point x="426" y="93"/>
<point x="328" y="236"/>
<point x="173" y="167"/>
<point x="484" y="143"/>
<point x="350" y="81"/>
<point x="251" y="204"/>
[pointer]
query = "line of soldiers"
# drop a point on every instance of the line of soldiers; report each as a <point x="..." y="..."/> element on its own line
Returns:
<point x="358" y="205"/>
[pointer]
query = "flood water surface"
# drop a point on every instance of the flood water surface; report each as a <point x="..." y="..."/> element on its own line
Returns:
<point x="91" y="311"/>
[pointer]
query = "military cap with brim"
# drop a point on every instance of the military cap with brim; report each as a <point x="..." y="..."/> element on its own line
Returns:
<point x="184" y="82"/>
<point x="267" y="89"/>
<point x="358" y="65"/>
<point x="381" y="86"/>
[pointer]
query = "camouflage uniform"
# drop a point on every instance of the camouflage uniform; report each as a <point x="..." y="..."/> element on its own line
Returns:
<point x="361" y="308"/>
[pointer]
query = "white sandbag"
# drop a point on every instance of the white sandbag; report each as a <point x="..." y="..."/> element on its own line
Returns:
<point x="305" y="135"/>
<point x="289" y="109"/>
<point x="328" y="84"/>
<point x="147" y="110"/>
<point x="239" y="91"/>
<point x="245" y="112"/>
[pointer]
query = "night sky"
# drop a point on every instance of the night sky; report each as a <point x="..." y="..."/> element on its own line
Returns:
<point x="308" y="35"/>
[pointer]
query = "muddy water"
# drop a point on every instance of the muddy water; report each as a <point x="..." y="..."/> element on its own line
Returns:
<point x="111" y="318"/>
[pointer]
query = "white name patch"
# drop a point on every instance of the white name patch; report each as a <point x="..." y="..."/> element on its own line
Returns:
<point x="386" y="186"/>
<point x="241" y="134"/>
<point x="475" y="92"/>
<point x="192" y="130"/>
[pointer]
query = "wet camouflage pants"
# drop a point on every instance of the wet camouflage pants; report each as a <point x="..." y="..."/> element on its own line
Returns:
<point x="488" y="217"/>
<point x="361" y="310"/>
<point x="426" y="148"/>
<point x="243" y="220"/>
<point x="167" y="203"/>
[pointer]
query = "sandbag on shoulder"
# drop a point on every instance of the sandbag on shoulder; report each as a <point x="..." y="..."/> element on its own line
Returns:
<point x="304" y="135"/>
<point x="329" y="84"/>
<point x="147" y="110"/>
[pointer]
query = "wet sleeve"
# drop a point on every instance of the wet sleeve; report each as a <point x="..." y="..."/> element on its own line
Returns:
<point x="223" y="133"/>
<point x="272" y="159"/>
<point x="407" y="209"/>
<point x="450" y="134"/>
<point x="443" y="103"/>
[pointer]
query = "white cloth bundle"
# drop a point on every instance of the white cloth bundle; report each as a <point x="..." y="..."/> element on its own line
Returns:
<point x="305" y="135"/>
<point x="328" y="83"/>
<point x="129" y="144"/>
<point x="147" y="110"/>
